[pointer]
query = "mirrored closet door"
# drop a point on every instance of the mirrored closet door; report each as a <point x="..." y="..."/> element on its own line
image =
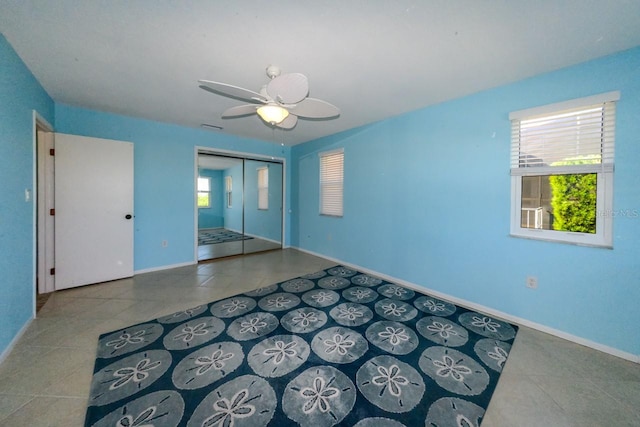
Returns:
<point x="262" y="205"/>
<point x="239" y="203"/>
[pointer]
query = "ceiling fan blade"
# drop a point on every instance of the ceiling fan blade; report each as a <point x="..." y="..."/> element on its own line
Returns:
<point x="289" y="123"/>
<point x="289" y="88"/>
<point x="315" y="109"/>
<point x="231" y="91"/>
<point x="240" y="110"/>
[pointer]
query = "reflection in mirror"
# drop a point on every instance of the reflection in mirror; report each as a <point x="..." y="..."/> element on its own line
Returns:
<point x="262" y="205"/>
<point x="219" y="204"/>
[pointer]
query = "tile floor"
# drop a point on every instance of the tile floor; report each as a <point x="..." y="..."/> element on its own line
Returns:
<point x="45" y="380"/>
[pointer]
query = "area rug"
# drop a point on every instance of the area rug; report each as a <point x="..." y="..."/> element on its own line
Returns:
<point x="212" y="237"/>
<point x="336" y="347"/>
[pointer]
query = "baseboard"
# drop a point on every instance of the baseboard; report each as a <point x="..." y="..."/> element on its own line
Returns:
<point x="14" y="341"/>
<point x="493" y="312"/>
<point x="234" y="230"/>
<point x="164" y="267"/>
<point x="255" y="236"/>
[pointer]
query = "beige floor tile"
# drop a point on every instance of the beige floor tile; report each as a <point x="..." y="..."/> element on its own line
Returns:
<point x="49" y="412"/>
<point x="531" y="357"/>
<point x="625" y="392"/>
<point x="21" y="358"/>
<point x="109" y="309"/>
<point x="10" y="403"/>
<point x="76" y="384"/>
<point x="40" y="325"/>
<point x="598" y="365"/>
<point x="518" y="401"/>
<point x="46" y="370"/>
<point x="580" y="399"/>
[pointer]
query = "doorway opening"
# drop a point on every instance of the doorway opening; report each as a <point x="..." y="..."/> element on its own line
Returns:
<point x="44" y="203"/>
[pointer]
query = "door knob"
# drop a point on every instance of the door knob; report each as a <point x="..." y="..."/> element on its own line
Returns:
<point x="128" y="216"/>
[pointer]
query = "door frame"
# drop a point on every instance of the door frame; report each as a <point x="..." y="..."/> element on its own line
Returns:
<point x="245" y="156"/>
<point x="43" y="244"/>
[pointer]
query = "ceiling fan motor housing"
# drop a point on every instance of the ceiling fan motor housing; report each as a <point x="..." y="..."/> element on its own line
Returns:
<point x="273" y="71"/>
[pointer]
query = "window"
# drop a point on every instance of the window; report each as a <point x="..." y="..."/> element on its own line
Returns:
<point x="204" y="192"/>
<point x="562" y="171"/>
<point x="228" y="182"/>
<point x="331" y="182"/>
<point x="263" y="188"/>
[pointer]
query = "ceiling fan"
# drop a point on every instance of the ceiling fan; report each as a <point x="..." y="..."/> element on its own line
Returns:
<point x="279" y="103"/>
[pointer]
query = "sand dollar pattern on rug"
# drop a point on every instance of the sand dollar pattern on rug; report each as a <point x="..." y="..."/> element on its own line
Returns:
<point x="233" y="307"/>
<point x="303" y="320"/>
<point x="128" y="376"/>
<point x="442" y="331"/>
<point x="392" y="337"/>
<point x="390" y="384"/>
<point x="246" y="401"/>
<point x="333" y="347"/>
<point x="320" y="396"/>
<point x="277" y="356"/>
<point x="360" y="294"/>
<point x="351" y="314"/>
<point x="193" y="332"/>
<point x="207" y="365"/>
<point x="129" y="340"/>
<point x="164" y="408"/>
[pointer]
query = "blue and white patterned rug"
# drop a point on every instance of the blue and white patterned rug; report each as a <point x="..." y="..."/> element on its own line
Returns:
<point x="220" y="235"/>
<point x="335" y="347"/>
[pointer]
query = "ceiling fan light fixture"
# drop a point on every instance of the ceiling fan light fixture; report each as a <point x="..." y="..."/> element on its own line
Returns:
<point x="273" y="114"/>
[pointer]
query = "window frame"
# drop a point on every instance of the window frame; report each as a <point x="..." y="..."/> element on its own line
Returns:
<point x="603" y="237"/>
<point x="202" y="192"/>
<point x="324" y="208"/>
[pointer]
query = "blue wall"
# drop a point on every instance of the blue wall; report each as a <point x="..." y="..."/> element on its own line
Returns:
<point x="163" y="201"/>
<point x="427" y="200"/>
<point x="20" y="94"/>
<point x="211" y="217"/>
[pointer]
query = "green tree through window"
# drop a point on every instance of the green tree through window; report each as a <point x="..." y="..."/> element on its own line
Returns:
<point x="574" y="197"/>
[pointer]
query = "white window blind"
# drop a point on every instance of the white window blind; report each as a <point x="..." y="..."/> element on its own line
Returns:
<point x="229" y="188"/>
<point x="577" y="139"/>
<point x="204" y="184"/>
<point x="263" y="188"/>
<point x="331" y="183"/>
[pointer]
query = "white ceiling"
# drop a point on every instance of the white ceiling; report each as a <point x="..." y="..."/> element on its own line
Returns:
<point x="372" y="58"/>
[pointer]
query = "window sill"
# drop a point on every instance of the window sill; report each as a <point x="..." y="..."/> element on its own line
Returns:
<point x="530" y="236"/>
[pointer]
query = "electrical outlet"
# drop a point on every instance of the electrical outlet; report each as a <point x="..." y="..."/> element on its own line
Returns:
<point x="532" y="282"/>
<point x="165" y="243"/>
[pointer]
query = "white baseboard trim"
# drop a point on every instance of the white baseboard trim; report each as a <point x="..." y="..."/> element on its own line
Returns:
<point x="255" y="236"/>
<point x="478" y="307"/>
<point x="14" y="341"/>
<point x="164" y="267"/>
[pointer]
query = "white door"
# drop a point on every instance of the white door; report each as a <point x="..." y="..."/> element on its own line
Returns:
<point x="93" y="210"/>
